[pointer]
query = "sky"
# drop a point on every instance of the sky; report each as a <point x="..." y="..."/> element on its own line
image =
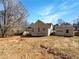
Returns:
<point x="49" y="11"/>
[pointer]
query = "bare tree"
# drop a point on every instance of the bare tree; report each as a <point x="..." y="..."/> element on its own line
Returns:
<point x="14" y="16"/>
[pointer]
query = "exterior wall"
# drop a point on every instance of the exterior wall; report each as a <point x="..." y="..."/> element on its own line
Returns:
<point x="71" y="31"/>
<point x="29" y="30"/>
<point x="0" y="34"/>
<point x="59" y="31"/>
<point x="39" y="29"/>
<point x="77" y="28"/>
<point x="62" y="31"/>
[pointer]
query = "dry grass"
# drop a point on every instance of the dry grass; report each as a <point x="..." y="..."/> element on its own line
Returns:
<point x="52" y="47"/>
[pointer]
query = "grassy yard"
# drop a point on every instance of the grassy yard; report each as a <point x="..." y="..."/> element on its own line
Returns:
<point x="52" y="47"/>
<point x="76" y="39"/>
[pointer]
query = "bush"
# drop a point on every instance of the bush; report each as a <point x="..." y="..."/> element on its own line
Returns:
<point x="25" y="33"/>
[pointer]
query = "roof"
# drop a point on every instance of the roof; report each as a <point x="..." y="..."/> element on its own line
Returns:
<point x="39" y="21"/>
<point x="66" y="25"/>
<point x="49" y="24"/>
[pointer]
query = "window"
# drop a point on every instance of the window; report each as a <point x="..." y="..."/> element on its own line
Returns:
<point x="43" y="29"/>
<point x="67" y="31"/>
<point x="38" y="29"/>
<point x="32" y="30"/>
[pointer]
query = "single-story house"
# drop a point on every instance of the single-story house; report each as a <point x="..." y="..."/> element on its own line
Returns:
<point x="64" y="30"/>
<point x="76" y="29"/>
<point x="40" y="29"/>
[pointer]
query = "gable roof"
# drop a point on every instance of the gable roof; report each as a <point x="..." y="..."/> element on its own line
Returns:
<point x="48" y="25"/>
<point x="39" y="21"/>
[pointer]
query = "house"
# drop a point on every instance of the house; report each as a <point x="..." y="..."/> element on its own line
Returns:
<point x="76" y="29"/>
<point x="40" y="29"/>
<point x="64" y="30"/>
